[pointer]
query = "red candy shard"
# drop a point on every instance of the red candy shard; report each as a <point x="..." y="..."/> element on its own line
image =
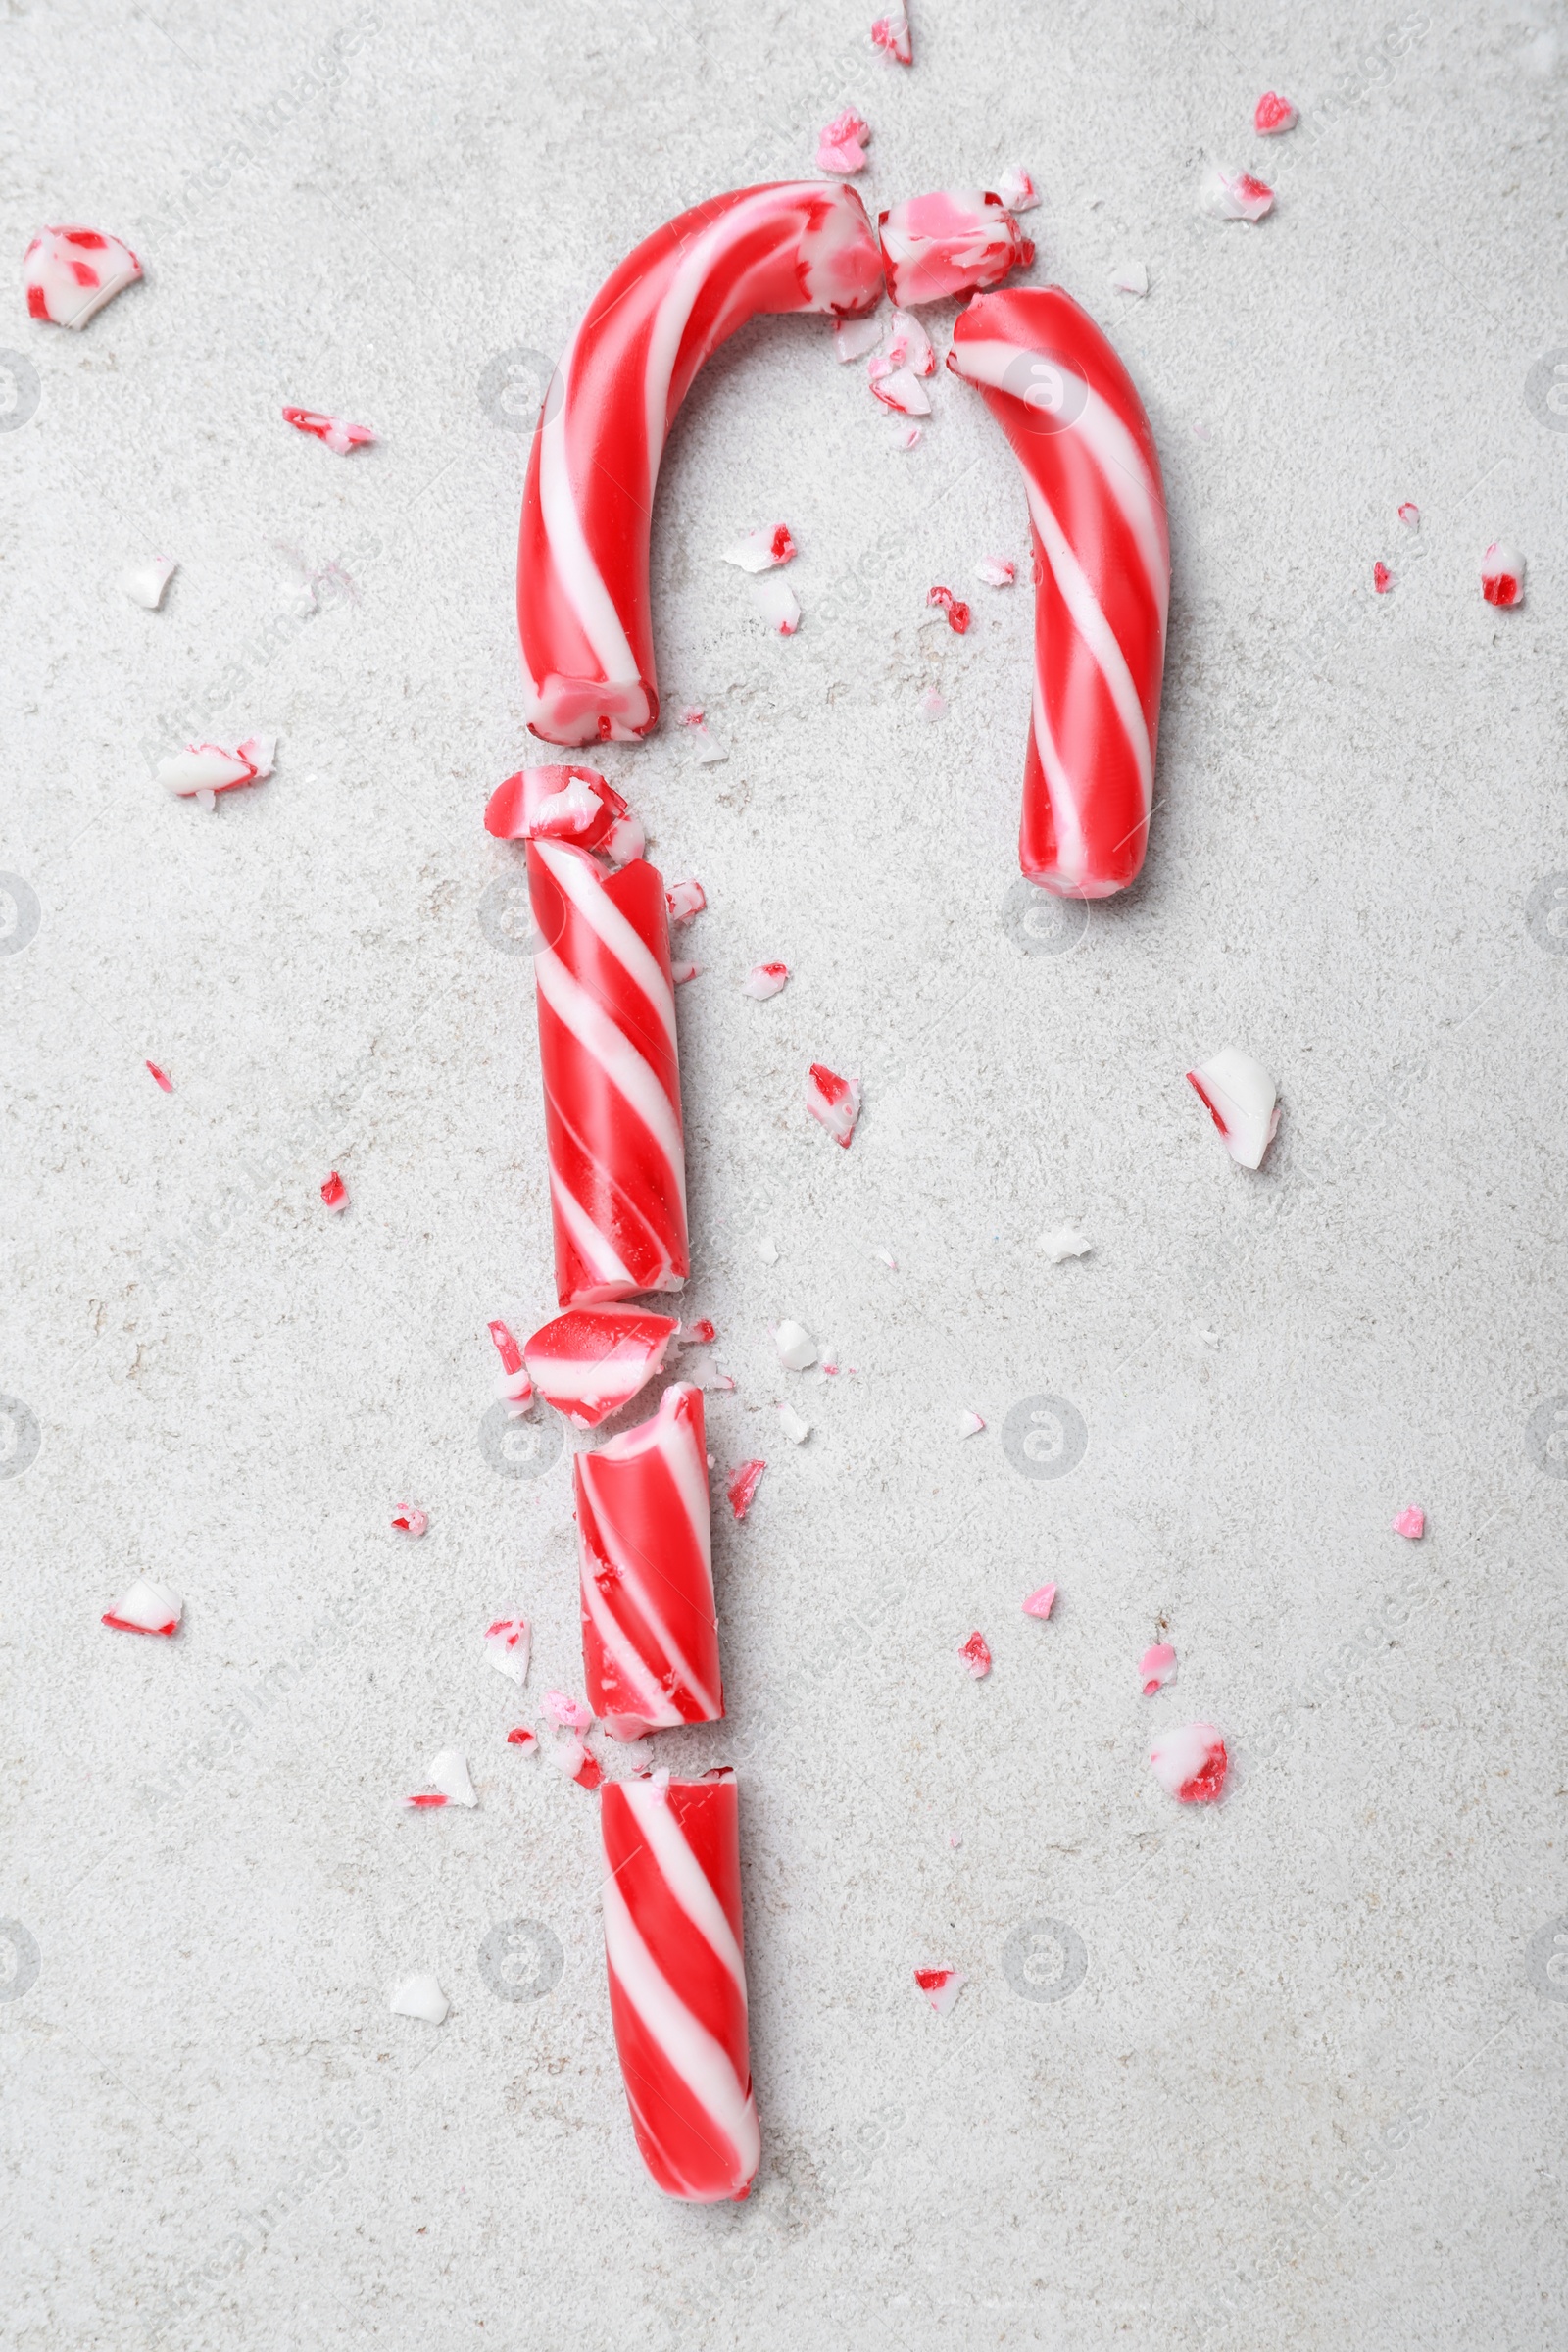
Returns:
<point x="765" y="980"/>
<point x="428" y="1800"/>
<point x="565" y="804"/>
<point x="1155" y="1667"/>
<point x="743" y="1486"/>
<point x="522" y="1737"/>
<point x="592" y="1360"/>
<point x="975" y="1654"/>
<point x="147" y="1608"/>
<point x="891" y="34"/>
<point x="1502" y="574"/>
<point x="1411" y="1523"/>
<point x="66" y="290"/>
<point x="570" y="1758"/>
<point x="941" y="1986"/>
<point x="1382" y="580"/>
<point x="1190" y="1763"/>
<point x="409" y="1520"/>
<point x="1041" y="1602"/>
<point x="1232" y="195"/>
<point x="955" y="241"/>
<point x="701" y="1334"/>
<point x="840" y="148"/>
<point x="160" y="1078"/>
<point x="335" y="1191"/>
<point x="1273" y="114"/>
<point x="335" y="431"/>
<point x="833" y="1102"/>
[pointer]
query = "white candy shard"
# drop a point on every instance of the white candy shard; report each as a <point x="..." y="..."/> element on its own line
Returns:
<point x="68" y="274"/>
<point x="932" y="705"/>
<point x="1232" y="195"/>
<point x="885" y="1257"/>
<point x="213" y="767"/>
<point x="775" y="601"/>
<point x="684" y="900"/>
<point x="1190" y="1763"/>
<point x="761" y="551"/>
<point x="797" y="1350"/>
<point x="1240" y="1099"/>
<point x="794" y="1429"/>
<point x="571" y="810"/>
<point x="448" y="1772"/>
<point x="969" y="1424"/>
<point x="898" y="388"/>
<point x="1156" y="1668"/>
<point x="765" y="980"/>
<point x="852" y="338"/>
<point x="507" y="1645"/>
<point x="1130" y="277"/>
<point x="941" y="1987"/>
<point x="421" y="1997"/>
<point x="144" y="583"/>
<point x="768" y="1249"/>
<point x="1502" y="574"/>
<point x="997" y="571"/>
<point x="147" y="1608"/>
<point x="908" y="345"/>
<point x="1017" y="190"/>
<point x="1064" y="1241"/>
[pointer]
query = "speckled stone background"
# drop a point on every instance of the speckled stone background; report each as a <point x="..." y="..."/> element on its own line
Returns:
<point x="1283" y="2073"/>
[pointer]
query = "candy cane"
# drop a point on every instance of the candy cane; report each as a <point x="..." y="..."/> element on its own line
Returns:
<point x="1097" y="505"/>
<point x="677" y="1981"/>
<point x="582" y="554"/>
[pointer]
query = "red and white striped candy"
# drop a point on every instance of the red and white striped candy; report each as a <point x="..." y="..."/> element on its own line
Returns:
<point x="337" y="431"/>
<point x="1097" y="505"/>
<point x="612" y="1078"/>
<point x="565" y="804"/>
<point x="650" y="1632"/>
<point x="583" y="614"/>
<point x="677" y="1981"/>
<point x="951" y="243"/>
<point x="592" y="1360"/>
<point x="69" y="274"/>
<point x="514" y="1387"/>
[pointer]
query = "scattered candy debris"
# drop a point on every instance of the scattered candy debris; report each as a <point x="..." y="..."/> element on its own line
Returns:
<point x="908" y="436"/>
<point x="898" y="388"/>
<point x="570" y="1756"/>
<point x="1190" y="1763"/>
<point x="1041" y="1602"/>
<point x="760" y="551"/>
<point x="777" y="606"/>
<point x="852" y="338"/>
<point x="891" y="34"/>
<point x="1502" y="574"/>
<point x="1273" y="114"/>
<point x="943" y="599"/>
<point x="941" y="1987"/>
<point x="1240" y="1096"/>
<point x="1017" y="190"/>
<point x="975" y="1656"/>
<point x="1232" y="195"/>
<point x="144" y="583"/>
<point x="1064" y="1241"/>
<point x="147" y="1608"/>
<point x="515" y="1385"/>
<point x="592" y="1360"/>
<point x="425" y="1801"/>
<point x="160" y="1078"/>
<point x="797" y="1350"/>
<point x="1410" y="515"/>
<point x="522" y="1737"/>
<point x="1382" y="580"/>
<point x="448" y="1772"/>
<point x="840" y="148"/>
<point x="202" y="770"/>
<point x="969" y="1424"/>
<point x="885" y="1257"/>
<point x="1156" y="1668"/>
<point x="768" y="1249"/>
<point x="997" y="571"/>
<point x="953" y="243"/>
<point x="337" y="432"/>
<point x="335" y="1191"/>
<point x="680" y="973"/>
<point x="1130" y="277"/>
<point x="954" y="1838"/>
<point x="701" y="1334"/>
<point x="908" y="345"/>
<point x="1411" y="1523"/>
<point x="69" y="274"/>
<point x="567" y="1712"/>
<point x="743" y="1486"/>
<point x="794" y="1429"/>
<point x="421" y="1997"/>
<point x="507" y="1645"/>
<point x="932" y="705"/>
<point x="765" y="980"/>
<point x="685" y="900"/>
<point x="833" y="1102"/>
<point x="564" y="803"/>
<point x="409" y="1520"/>
<point x="710" y="751"/>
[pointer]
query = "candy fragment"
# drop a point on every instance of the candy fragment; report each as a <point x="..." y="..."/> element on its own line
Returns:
<point x="1232" y="195"/>
<point x="1156" y="1668"/>
<point x="1101" y="555"/>
<point x="144" y="583"/>
<point x="449" y="1774"/>
<point x="571" y="1758"/>
<point x="1039" y="1603"/>
<point x="69" y="274"/>
<point x="1130" y="277"/>
<point x="335" y="431"/>
<point x="1273" y="114"/>
<point x="592" y="1360"/>
<point x="1064" y="1241"/>
<point x="147" y="1608"/>
<point x="743" y="1484"/>
<point x="768" y="1249"/>
<point x="160" y="1078"/>
<point x="908" y="345"/>
<point x="419" y="1996"/>
<point x="885" y="1257"/>
<point x="1239" y="1096"/>
<point x="953" y="243"/>
<point x="203" y="769"/>
<point x="794" y="1429"/>
<point x="584" y="612"/>
<point x="761" y="551"/>
<point x="852" y="338"/>
<point x="833" y="1102"/>
<point x="969" y="1424"/>
<point x="673" y="1952"/>
<point x="565" y="804"/>
<point x="1502" y="574"/>
<point x="891" y="34"/>
<point x="997" y="571"/>
<point x="335" y="1191"/>
<point x="1382" y="580"/>
<point x="941" y="1986"/>
<point x="507" y="1645"/>
<point x="1410" y="515"/>
<point x="568" y="1714"/>
<point x="515" y="1386"/>
<point x="684" y="900"/>
<point x="765" y="980"/>
<point x="776" y="601"/>
<point x="409" y="1520"/>
<point x="975" y="1656"/>
<point x="898" y="388"/>
<point x="522" y="1737"/>
<point x="943" y="599"/>
<point x="1411" y="1523"/>
<point x="797" y="1350"/>
<point x="700" y="1333"/>
<point x="1190" y="1763"/>
<point x="932" y="705"/>
<point x="1017" y="190"/>
<point x="840" y="148"/>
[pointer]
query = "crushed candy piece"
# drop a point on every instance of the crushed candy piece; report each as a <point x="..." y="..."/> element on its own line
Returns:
<point x="885" y="1257"/>
<point x="765" y="980"/>
<point x="760" y="551"/>
<point x="852" y="338"/>
<point x="840" y="148"/>
<point x="975" y="1656"/>
<point x="701" y="1334"/>
<point x="522" y="1737"/>
<point x="969" y="1424"/>
<point x="1411" y="1523"/>
<point x="891" y="34"/>
<point x="568" y="1713"/>
<point x="797" y="1350"/>
<point x="1130" y="277"/>
<point x="1190" y="1763"/>
<point x="335" y="1191"/>
<point x="565" y="804"/>
<point x="778" y="604"/>
<point x="953" y="243"/>
<point x="833" y="1102"/>
<point x="147" y="1608"/>
<point x="448" y="1772"/>
<point x="1232" y="195"/>
<point x="908" y="345"/>
<point x="941" y="1987"/>
<point x="743" y="1486"/>
<point x="932" y="705"/>
<point x="1156" y="1668"/>
<point x="515" y="1385"/>
<point x="337" y="431"/>
<point x="1502" y="574"/>
<point x="1410" y="515"/>
<point x="997" y="571"/>
<point x="898" y="388"/>
<point x="943" y="599"/>
<point x="1041" y="1602"/>
<point x="794" y="1429"/>
<point x="507" y="1645"/>
<point x="160" y="1078"/>
<point x="768" y="1249"/>
<point x="680" y="973"/>
<point x="144" y="583"/>
<point x="685" y="900"/>
<point x="421" y="1997"/>
<point x="425" y="1801"/>
<point x="1062" y="1241"/>
<point x="68" y="274"/>
<point x="203" y="769"/>
<point x="1017" y="190"/>
<point x="1382" y="580"/>
<point x="592" y="1360"/>
<point x="570" y="1756"/>
<point x="1239" y="1096"/>
<point x="908" y="436"/>
<point x="1273" y="114"/>
<point x="409" y="1520"/>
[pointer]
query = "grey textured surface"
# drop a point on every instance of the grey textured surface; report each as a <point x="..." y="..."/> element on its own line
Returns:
<point x="1302" y="2087"/>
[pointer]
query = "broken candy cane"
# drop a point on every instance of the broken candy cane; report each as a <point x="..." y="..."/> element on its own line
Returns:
<point x="567" y="1713"/>
<point x="1190" y="1763"/>
<point x="891" y="34"/>
<point x="147" y="1608"/>
<point x="898" y="388"/>
<point x="1041" y="1603"/>
<point x="583" y="609"/>
<point x="1502" y="574"/>
<point x="592" y="1360"/>
<point x="997" y="571"/>
<point x="160" y="1078"/>
<point x="69" y="274"/>
<point x="611" y="1076"/>
<point x="677" y="1981"/>
<point x="953" y="242"/>
<point x="202" y="769"/>
<point x="335" y="431"/>
<point x="514" y="1386"/>
<point x="649" y="1630"/>
<point x="1239" y="1096"/>
<point x="833" y="1102"/>
<point x="565" y="804"/>
<point x="1097" y="510"/>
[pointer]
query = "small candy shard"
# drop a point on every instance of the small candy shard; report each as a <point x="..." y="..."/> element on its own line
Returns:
<point x="953" y="243"/>
<point x="743" y="1486"/>
<point x="941" y="1986"/>
<point x="1411" y="1523"/>
<point x="1190" y="1763"/>
<point x="507" y="1645"/>
<point x="975" y="1656"/>
<point x="761" y="551"/>
<point x="1410" y="515"/>
<point x="932" y="705"/>
<point x="409" y="1520"/>
<point x="1062" y="1241"/>
<point x="204" y="768"/>
<point x="570" y="1756"/>
<point x="335" y="431"/>
<point x="144" y="583"/>
<point x="684" y="900"/>
<point x="421" y="1997"/>
<point x="765" y="980"/>
<point x="797" y="1350"/>
<point x="1382" y="580"/>
<point x="908" y="345"/>
<point x="997" y="571"/>
<point x="969" y="1424"/>
<point x="885" y="1257"/>
<point x="840" y="148"/>
<point x="1502" y="574"/>
<point x="701" y="1334"/>
<point x="1156" y="1668"/>
<point x="1240" y="1097"/>
<point x="794" y="1429"/>
<point x="147" y="1608"/>
<point x="778" y="604"/>
<point x="891" y="34"/>
<point x="69" y="274"/>
<point x="448" y="1772"/>
<point x="160" y="1078"/>
<point x="565" y="804"/>
<point x="768" y="1249"/>
<point x="592" y="1360"/>
<point x="1017" y="190"/>
<point x="833" y="1102"/>
<point x="852" y="338"/>
<point x="943" y="599"/>
<point x="898" y="388"/>
<point x="908" y="436"/>
<point x="335" y="1191"/>
<point x="1232" y="195"/>
<point x="522" y="1737"/>
<point x="1130" y="277"/>
<point x="1273" y="114"/>
<point x="568" y="1713"/>
<point x="1039" y="1603"/>
<point x="515" y="1385"/>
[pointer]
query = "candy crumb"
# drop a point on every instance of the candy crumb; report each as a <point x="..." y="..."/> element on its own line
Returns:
<point x="768" y="1249"/>
<point x="1273" y="114"/>
<point x="337" y="432"/>
<point x="885" y="1257"/>
<point x="409" y="1520"/>
<point x="1502" y="574"/>
<point x="765" y="980"/>
<point x="833" y="1102"/>
<point x="969" y="1424"/>
<point x="144" y="583"/>
<point x="1410" y="515"/>
<point x="931" y="705"/>
<point x="776" y="603"/>
<point x="335" y="1191"/>
<point x="1411" y="1523"/>
<point x="146" y="1609"/>
<point x="891" y="34"/>
<point x="941" y="1987"/>
<point x="794" y="1429"/>
<point x="975" y="1656"/>
<point x="841" y="147"/>
<point x="570" y="1714"/>
<point x="1065" y="1242"/>
<point x="421" y="1997"/>
<point x="1130" y="277"/>
<point x="449" y="1774"/>
<point x="1041" y="1602"/>
<point x="1156" y="1668"/>
<point x="1232" y="195"/>
<point x="160" y="1078"/>
<point x="1017" y="190"/>
<point x="743" y="1486"/>
<point x="507" y="1645"/>
<point x="761" y="551"/>
<point x="797" y="1350"/>
<point x="1382" y="580"/>
<point x="1190" y="1763"/>
<point x="852" y="338"/>
<point x="571" y="1758"/>
<point x="997" y="571"/>
<point x="522" y="1737"/>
